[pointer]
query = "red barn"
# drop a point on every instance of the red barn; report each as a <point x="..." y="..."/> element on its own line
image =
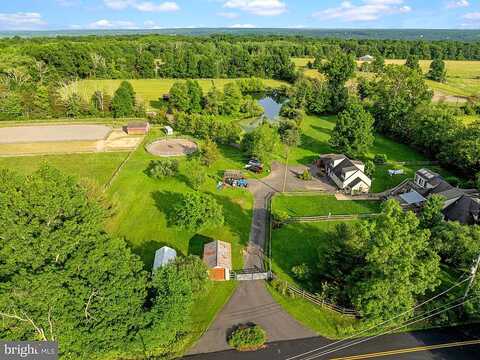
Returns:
<point x="138" y="128"/>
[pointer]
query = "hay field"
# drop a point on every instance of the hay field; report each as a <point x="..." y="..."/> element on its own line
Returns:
<point x="148" y="90"/>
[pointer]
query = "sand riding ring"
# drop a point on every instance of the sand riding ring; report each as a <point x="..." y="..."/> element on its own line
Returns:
<point x="172" y="147"/>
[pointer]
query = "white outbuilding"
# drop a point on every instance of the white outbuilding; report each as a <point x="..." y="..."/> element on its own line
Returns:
<point x="168" y="130"/>
<point x="163" y="256"/>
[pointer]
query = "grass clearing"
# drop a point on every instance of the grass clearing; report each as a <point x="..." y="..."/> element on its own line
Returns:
<point x="302" y="243"/>
<point x="149" y="90"/>
<point x="463" y="77"/>
<point x="146" y="205"/>
<point x="96" y="166"/>
<point x="322" y="205"/>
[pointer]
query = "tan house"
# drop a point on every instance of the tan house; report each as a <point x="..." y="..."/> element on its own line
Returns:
<point x="217" y="255"/>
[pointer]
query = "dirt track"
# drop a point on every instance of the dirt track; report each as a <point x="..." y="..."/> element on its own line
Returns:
<point x="53" y="133"/>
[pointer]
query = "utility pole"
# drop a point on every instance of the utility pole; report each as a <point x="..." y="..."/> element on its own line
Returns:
<point x="473" y="274"/>
<point x="286" y="170"/>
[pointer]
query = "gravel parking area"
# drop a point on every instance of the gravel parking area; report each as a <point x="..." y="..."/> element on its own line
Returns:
<point x="53" y="133"/>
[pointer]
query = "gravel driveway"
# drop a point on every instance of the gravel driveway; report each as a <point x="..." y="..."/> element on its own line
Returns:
<point x="53" y="133"/>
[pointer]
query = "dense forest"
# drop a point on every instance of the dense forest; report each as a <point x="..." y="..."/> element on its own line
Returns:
<point x="199" y="57"/>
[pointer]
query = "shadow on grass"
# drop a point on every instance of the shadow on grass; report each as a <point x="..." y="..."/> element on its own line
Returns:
<point x="165" y="201"/>
<point x="196" y="244"/>
<point x="237" y="218"/>
<point x="147" y="251"/>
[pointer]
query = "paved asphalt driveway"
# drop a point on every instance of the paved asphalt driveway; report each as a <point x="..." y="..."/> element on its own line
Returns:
<point x="251" y="301"/>
<point x="420" y="345"/>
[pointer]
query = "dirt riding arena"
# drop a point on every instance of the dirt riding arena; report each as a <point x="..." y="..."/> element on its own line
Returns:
<point x="60" y="139"/>
<point x="172" y="147"/>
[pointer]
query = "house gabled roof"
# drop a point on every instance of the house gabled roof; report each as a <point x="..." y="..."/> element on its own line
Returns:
<point x="465" y="210"/>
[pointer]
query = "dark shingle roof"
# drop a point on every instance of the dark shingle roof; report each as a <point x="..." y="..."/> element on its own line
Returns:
<point x="463" y="210"/>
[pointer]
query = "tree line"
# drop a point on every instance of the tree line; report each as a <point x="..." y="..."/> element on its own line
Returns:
<point x="64" y="279"/>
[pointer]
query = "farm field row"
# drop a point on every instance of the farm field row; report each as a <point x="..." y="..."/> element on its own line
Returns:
<point x="148" y="90"/>
<point x="463" y="77"/>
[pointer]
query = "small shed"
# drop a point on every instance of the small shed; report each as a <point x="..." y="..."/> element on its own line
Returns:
<point x="138" y="128"/>
<point x="168" y="130"/>
<point x="217" y="255"/>
<point x="163" y="256"/>
<point x="367" y="58"/>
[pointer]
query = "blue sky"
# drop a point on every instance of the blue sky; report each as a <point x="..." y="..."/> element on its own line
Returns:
<point x="151" y="14"/>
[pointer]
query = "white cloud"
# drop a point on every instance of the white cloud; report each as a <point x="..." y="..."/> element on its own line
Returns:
<point x="145" y="6"/>
<point x="472" y="16"/>
<point x="243" y="26"/>
<point x="458" y="4"/>
<point x="112" y="24"/>
<point x="21" y="21"/>
<point x="258" y="7"/>
<point x="367" y="10"/>
<point x="228" y="15"/>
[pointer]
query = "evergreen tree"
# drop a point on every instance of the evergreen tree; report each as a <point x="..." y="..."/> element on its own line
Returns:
<point x="123" y="102"/>
<point x="262" y="142"/>
<point x="232" y="99"/>
<point x="179" y="96"/>
<point x="195" y="94"/>
<point x="198" y="211"/>
<point x="413" y="63"/>
<point x="353" y="132"/>
<point x="338" y="70"/>
<point x="437" y="70"/>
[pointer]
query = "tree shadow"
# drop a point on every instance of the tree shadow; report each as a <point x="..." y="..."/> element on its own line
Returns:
<point x="236" y="217"/>
<point x="158" y="104"/>
<point x="196" y="244"/>
<point x="147" y="251"/>
<point x="165" y="202"/>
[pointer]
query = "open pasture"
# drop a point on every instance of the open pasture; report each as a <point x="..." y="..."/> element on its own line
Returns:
<point x="148" y="90"/>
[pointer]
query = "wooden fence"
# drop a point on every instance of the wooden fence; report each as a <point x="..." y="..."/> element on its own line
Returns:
<point x="319" y="302"/>
<point x="301" y="219"/>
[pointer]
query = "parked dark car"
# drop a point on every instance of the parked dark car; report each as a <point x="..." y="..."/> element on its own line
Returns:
<point x="254" y="168"/>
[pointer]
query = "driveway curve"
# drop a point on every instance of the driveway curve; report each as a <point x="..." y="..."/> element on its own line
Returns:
<point x="251" y="301"/>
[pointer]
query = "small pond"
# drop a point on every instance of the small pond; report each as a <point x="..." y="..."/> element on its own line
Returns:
<point x="271" y="105"/>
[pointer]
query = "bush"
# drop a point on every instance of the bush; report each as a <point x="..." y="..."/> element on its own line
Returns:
<point x="452" y="180"/>
<point x="301" y="272"/>
<point x="247" y="338"/>
<point x="305" y="175"/>
<point x="160" y="169"/>
<point x="380" y="159"/>
<point x="196" y="174"/>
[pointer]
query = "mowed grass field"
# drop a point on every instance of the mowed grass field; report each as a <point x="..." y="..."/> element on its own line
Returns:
<point x="322" y="205"/>
<point x="463" y="77"/>
<point x="149" y="90"/>
<point x="98" y="167"/>
<point x="302" y="243"/>
<point x="146" y="208"/>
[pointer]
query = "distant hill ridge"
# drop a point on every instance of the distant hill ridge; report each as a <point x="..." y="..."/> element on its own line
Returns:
<point x="379" y="34"/>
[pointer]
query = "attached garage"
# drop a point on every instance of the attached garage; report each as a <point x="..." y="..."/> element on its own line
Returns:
<point x="217" y="255"/>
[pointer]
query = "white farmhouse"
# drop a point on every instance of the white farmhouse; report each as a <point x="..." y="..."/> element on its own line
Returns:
<point x="348" y="175"/>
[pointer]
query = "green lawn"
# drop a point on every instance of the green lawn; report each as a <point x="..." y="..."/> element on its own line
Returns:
<point x="148" y="90"/>
<point x="299" y="243"/>
<point x="319" y="205"/>
<point x="95" y="166"/>
<point x="303" y="243"/>
<point x="145" y="206"/>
